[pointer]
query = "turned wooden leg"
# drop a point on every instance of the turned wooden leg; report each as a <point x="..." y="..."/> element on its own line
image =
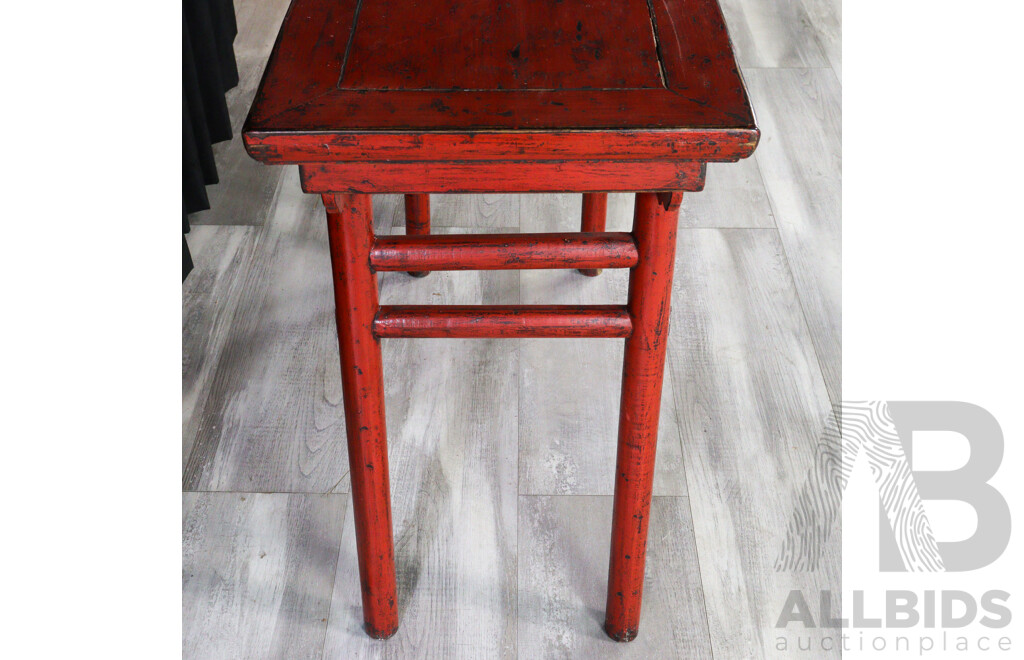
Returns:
<point x="595" y="210"/>
<point x="650" y="291"/>
<point x="350" y="231"/>
<point x="417" y="220"/>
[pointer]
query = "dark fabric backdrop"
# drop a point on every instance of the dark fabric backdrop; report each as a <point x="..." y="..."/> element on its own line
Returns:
<point x="208" y="71"/>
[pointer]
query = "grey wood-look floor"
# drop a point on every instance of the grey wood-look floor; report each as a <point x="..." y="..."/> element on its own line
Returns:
<point x="501" y="450"/>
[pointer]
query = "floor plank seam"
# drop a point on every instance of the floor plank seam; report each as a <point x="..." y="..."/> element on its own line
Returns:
<point x="700" y="572"/>
<point x="519" y="429"/>
<point x="265" y="492"/>
<point x="816" y="33"/>
<point x="787" y="68"/>
<point x="334" y="580"/>
<point x="796" y="290"/>
<point x="222" y="329"/>
<point x="337" y="483"/>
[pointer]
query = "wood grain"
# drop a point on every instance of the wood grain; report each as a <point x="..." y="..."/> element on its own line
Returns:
<point x="733" y="196"/>
<point x="274" y="419"/>
<point x="826" y="17"/>
<point x="483" y="211"/>
<point x="563" y="565"/>
<point x="209" y="297"/>
<point x="802" y="170"/>
<point x="772" y="33"/>
<point x="569" y="388"/>
<point x="389" y="212"/>
<point x="752" y="404"/>
<point x="453" y="473"/>
<point x="257" y="571"/>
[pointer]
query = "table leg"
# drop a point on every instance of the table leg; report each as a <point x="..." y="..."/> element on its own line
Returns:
<point x="417" y="220"/>
<point x="650" y="291"/>
<point x="350" y="232"/>
<point x="595" y="211"/>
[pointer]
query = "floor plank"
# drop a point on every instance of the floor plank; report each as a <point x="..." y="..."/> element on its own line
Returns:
<point x="257" y="572"/>
<point x="209" y="296"/>
<point x="389" y="213"/>
<point x="274" y="418"/>
<point x="826" y="17"/>
<point x="733" y="196"/>
<point x="569" y="388"/>
<point x="258" y="24"/>
<point x="452" y="430"/>
<point x="247" y="191"/>
<point x="772" y="33"/>
<point x="801" y="161"/>
<point x="476" y="211"/>
<point x="563" y="573"/>
<point x="752" y="404"/>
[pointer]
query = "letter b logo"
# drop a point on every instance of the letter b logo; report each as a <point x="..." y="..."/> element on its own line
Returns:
<point x="967" y="484"/>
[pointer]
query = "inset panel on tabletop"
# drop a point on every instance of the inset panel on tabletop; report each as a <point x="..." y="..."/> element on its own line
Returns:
<point x="450" y="80"/>
<point x="496" y="44"/>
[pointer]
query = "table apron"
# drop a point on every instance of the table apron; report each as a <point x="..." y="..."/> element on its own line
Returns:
<point x="503" y="176"/>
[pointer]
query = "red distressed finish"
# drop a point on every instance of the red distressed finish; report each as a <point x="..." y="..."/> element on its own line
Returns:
<point x="500" y="176"/>
<point x="504" y="251"/>
<point x="417" y="220"/>
<point x="635" y="145"/>
<point x="595" y="210"/>
<point x="350" y="232"/>
<point x="650" y="290"/>
<point x="460" y="95"/>
<point x="609" y="321"/>
<point x="496" y="44"/>
<point x="494" y="96"/>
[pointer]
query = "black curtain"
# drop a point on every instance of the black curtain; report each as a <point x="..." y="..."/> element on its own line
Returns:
<point x="208" y="71"/>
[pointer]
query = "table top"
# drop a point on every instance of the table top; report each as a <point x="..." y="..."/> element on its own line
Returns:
<point x="460" y="79"/>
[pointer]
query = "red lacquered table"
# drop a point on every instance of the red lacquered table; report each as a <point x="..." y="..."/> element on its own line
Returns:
<point x="447" y="96"/>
